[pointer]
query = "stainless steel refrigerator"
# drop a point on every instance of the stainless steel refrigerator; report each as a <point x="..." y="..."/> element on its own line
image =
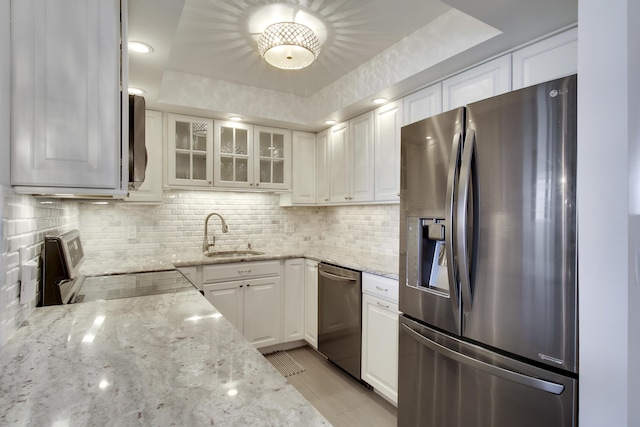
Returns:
<point x="488" y="263"/>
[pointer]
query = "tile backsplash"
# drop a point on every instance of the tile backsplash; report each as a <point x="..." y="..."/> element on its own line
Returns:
<point x="177" y="225"/>
<point x="25" y="222"/>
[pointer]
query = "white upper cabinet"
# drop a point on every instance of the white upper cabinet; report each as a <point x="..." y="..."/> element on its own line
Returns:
<point x="303" y="183"/>
<point x="422" y="104"/>
<point x="66" y="98"/>
<point x="151" y="188"/>
<point x="351" y="160"/>
<point x="189" y="151"/>
<point x="322" y="167"/>
<point x="251" y="157"/>
<point x="484" y="81"/>
<point x="388" y="120"/>
<point x="546" y="60"/>
<point x="233" y="155"/>
<point x="339" y="161"/>
<point x="272" y="161"/>
<point x="361" y="146"/>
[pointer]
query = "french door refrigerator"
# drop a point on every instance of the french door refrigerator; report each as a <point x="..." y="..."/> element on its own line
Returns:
<point x="488" y="263"/>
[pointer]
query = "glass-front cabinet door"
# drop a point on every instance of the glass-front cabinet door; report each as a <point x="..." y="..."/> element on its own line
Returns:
<point x="190" y="151"/>
<point x="272" y="161"/>
<point x="233" y="153"/>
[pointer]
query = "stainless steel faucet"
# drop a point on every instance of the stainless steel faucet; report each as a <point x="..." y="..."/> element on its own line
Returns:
<point x="205" y="244"/>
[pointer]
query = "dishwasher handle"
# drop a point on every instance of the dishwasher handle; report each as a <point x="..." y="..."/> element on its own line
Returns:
<point x="335" y="277"/>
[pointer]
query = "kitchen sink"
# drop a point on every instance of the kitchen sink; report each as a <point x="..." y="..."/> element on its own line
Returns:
<point x="231" y="254"/>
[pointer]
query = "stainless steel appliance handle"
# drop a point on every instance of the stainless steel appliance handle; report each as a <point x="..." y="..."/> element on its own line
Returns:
<point x="334" y="277"/>
<point x="454" y="295"/>
<point x="461" y="220"/>
<point x="519" y="378"/>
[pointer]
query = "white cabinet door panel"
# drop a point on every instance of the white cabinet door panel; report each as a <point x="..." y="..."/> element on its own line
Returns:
<point x="380" y="346"/>
<point x="311" y="303"/>
<point x="339" y="162"/>
<point x="227" y="299"/>
<point x="484" y="81"/>
<point x="388" y="121"/>
<point x="361" y="151"/>
<point x="422" y="104"/>
<point x="66" y="93"/>
<point x="303" y="185"/>
<point x="293" y="290"/>
<point x="546" y="60"/>
<point x="262" y="313"/>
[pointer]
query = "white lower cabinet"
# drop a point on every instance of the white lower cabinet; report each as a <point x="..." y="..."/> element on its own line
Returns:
<point x="294" y="274"/>
<point x="311" y="303"/>
<point x="380" y="335"/>
<point x="252" y="304"/>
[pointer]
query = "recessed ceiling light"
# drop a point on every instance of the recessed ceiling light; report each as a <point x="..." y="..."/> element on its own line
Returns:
<point x="136" y="91"/>
<point x="330" y="122"/>
<point x="379" y="100"/>
<point x="140" y="47"/>
<point x="236" y="118"/>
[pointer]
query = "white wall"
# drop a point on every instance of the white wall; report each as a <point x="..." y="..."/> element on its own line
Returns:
<point x="609" y="231"/>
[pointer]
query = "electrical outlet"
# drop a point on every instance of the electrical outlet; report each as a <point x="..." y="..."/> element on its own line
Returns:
<point x="132" y="232"/>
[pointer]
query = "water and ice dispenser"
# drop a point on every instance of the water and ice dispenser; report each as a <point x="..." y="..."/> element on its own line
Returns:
<point x="426" y="254"/>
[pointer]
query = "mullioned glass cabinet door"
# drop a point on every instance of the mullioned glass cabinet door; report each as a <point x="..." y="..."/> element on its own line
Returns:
<point x="190" y="151"/>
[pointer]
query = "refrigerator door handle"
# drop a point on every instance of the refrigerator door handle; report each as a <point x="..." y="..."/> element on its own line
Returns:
<point x="537" y="383"/>
<point x="450" y="227"/>
<point x="461" y="219"/>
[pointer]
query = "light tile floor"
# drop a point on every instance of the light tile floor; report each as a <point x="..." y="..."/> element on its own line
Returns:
<point x="337" y="396"/>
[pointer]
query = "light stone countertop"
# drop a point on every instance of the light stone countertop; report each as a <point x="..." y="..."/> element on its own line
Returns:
<point x="383" y="265"/>
<point x="162" y="360"/>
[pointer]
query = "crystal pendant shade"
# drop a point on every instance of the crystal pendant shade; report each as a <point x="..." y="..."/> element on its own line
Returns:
<point x="288" y="45"/>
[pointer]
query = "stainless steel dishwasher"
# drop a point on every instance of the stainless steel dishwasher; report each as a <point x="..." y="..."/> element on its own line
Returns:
<point x="340" y="316"/>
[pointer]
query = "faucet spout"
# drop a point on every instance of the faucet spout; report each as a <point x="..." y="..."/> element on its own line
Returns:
<point x="225" y="229"/>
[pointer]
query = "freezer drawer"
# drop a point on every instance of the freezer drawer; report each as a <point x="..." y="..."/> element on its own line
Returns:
<point x="444" y="381"/>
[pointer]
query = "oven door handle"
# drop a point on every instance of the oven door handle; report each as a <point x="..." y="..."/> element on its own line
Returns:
<point x="517" y="377"/>
<point x="335" y="277"/>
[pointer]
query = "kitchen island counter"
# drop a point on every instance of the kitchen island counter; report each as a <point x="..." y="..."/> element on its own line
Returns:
<point x="161" y="360"/>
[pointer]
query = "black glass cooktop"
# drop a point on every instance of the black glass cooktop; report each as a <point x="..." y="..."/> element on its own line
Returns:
<point x="132" y="285"/>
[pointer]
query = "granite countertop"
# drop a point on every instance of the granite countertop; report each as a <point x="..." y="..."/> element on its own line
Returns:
<point x="383" y="265"/>
<point x="161" y="360"/>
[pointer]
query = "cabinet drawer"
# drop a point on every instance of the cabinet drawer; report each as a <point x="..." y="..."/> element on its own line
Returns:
<point x="383" y="287"/>
<point x="239" y="270"/>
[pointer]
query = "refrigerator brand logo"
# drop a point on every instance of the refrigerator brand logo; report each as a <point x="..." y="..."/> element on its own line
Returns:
<point x="555" y="92"/>
<point x="550" y="359"/>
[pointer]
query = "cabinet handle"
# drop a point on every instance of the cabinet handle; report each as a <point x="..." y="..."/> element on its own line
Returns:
<point x="382" y="289"/>
<point x="381" y="305"/>
<point x="244" y="271"/>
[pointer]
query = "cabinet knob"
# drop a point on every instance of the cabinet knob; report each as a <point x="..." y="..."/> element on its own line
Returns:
<point x="257" y="184"/>
<point x="248" y="284"/>
<point x="240" y="285"/>
<point x="326" y="200"/>
<point x="346" y="198"/>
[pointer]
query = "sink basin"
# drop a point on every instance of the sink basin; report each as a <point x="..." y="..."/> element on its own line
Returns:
<point x="231" y="254"/>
